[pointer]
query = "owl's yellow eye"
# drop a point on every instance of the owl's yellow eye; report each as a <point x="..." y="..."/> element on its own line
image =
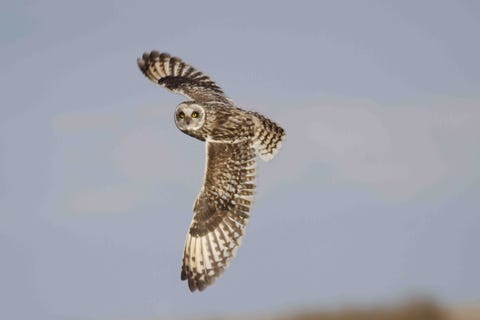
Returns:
<point x="181" y="115"/>
<point x="194" y="114"/>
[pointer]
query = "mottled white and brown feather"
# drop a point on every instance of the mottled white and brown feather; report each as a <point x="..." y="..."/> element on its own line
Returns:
<point x="180" y="77"/>
<point x="222" y="211"/>
<point x="268" y="136"/>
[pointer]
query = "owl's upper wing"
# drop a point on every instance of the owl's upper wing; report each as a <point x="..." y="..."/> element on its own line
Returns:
<point x="221" y="212"/>
<point x="180" y="77"/>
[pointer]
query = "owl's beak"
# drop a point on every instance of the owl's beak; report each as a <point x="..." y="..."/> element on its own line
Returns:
<point x="187" y="121"/>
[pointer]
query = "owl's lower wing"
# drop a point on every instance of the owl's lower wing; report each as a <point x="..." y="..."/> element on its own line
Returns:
<point x="180" y="77"/>
<point x="221" y="212"/>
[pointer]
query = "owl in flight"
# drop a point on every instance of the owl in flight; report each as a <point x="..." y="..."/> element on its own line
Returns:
<point x="233" y="138"/>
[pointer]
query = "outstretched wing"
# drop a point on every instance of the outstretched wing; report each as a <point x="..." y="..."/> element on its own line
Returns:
<point x="221" y="212"/>
<point x="180" y="77"/>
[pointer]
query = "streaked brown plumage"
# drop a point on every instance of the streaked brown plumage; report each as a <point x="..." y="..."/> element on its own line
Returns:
<point x="233" y="138"/>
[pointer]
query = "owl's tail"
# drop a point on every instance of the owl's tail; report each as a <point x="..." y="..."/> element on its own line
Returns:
<point x="268" y="137"/>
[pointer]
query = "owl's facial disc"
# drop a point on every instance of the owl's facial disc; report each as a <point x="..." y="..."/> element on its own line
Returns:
<point x="189" y="116"/>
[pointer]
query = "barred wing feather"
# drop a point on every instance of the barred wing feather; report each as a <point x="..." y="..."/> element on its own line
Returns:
<point x="222" y="211"/>
<point x="180" y="77"/>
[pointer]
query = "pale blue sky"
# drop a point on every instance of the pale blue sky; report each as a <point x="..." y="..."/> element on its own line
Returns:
<point x="374" y="196"/>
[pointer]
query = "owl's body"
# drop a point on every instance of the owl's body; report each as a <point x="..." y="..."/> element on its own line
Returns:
<point x="233" y="138"/>
<point x="223" y="122"/>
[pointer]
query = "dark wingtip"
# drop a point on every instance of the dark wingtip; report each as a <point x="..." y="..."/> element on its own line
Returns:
<point x="191" y="285"/>
<point x="154" y="54"/>
<point x="141" y="64"/>
<point x="147" y="57"/>
<point x="201" y="286"/>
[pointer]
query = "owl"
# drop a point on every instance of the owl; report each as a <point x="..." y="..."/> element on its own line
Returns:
<point x="233" y="139"/>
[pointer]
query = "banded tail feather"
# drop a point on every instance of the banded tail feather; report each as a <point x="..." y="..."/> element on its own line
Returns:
<point x="268" y="137"/>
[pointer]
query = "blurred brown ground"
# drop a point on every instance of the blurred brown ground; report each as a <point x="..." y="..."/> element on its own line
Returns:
<point x="411" y="311"/>
<point x="418" y="310"/>
<point x="466" y="312"/>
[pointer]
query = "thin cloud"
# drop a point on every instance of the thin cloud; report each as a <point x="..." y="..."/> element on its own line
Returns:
<point x="137" y="145"/>
<point x="147" y="155"/>
<point x="106" y="199"/>
<point x="86" y="120"/>
<point x="400" y="151"/>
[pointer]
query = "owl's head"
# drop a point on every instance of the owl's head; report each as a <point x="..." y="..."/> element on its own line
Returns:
<point x="189" y="116"/>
